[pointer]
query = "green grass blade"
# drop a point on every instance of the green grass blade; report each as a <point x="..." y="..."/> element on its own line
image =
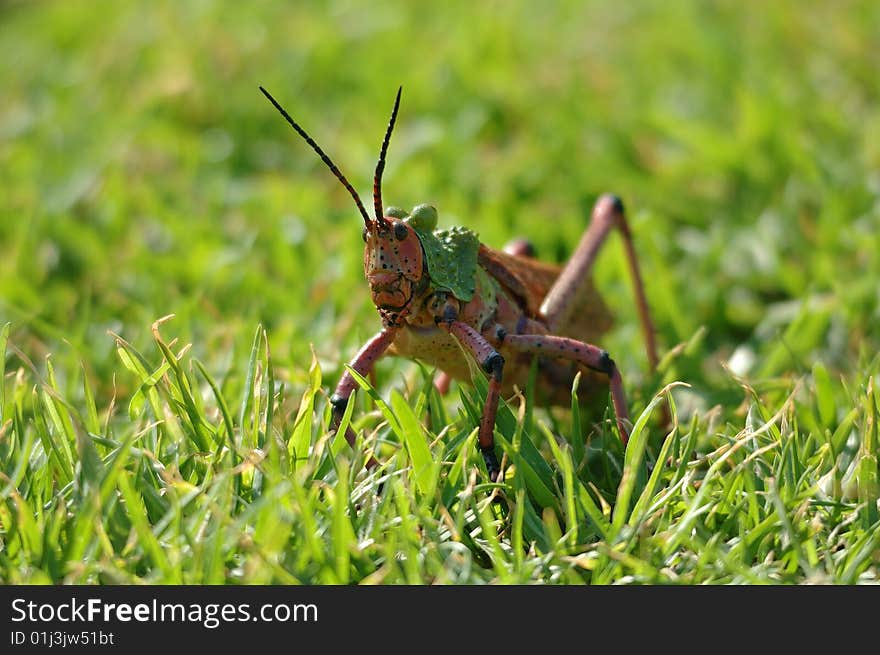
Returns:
<point x="632" y="465"/>
<point x="413" y="435"/>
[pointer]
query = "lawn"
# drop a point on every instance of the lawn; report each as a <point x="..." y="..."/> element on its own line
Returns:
<point x="181" y="286"/>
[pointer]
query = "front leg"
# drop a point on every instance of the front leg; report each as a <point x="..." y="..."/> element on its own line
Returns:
<point x="362" y="363"/>
<point x="493" y="363"/>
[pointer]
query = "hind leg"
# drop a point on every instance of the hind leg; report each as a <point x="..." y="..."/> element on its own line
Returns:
<point x="608" y="213"/>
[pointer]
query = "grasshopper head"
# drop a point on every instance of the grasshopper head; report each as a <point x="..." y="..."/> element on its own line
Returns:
<point x="394" y="258"/>
<point x="393" y="263"/>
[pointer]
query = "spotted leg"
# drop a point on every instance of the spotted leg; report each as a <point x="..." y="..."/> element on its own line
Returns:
<point x="493" y="363"/>
<point x="584" y="353"/>
<point x="557" y="306"/>
<point x="362" y="363"/>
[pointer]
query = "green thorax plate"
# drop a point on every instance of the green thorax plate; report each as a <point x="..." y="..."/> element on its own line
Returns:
<point x="451" y="256"/>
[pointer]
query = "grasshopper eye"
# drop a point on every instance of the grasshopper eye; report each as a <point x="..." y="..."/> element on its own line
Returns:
<point x="400" y="231"/>
<point x="364" y="234"/>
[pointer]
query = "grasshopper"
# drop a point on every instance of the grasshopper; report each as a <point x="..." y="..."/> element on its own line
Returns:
<point x="443" y="296"/>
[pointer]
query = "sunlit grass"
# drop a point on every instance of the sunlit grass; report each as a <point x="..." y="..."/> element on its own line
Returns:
<point x="197" y="487"/>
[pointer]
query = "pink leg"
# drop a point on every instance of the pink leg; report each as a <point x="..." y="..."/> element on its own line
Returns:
<point x="493" y="363"/>
<point x="607" y="214"/>
<point x="587" y="354"/>
<point x="362" y="363"/>
<point x="442" y="382"/>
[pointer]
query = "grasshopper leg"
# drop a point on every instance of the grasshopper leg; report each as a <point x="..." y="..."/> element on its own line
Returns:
<point x="587" y="354"/>
<point x="608" y="213"/>
<point x="521" y="248"/>
<point x="493" y="363"/>
<point x="363" y="363"/>
<point x="442" y="382"/>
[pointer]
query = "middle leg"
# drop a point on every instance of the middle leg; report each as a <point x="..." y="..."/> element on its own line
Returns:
<point x="584" y="353"/>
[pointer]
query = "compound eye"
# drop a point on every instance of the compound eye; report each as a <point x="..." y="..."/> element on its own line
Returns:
<point x="364" y="234"/>
<point x="400" y="231"/>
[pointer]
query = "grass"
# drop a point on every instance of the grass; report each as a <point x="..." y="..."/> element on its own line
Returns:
<point x="144" y="176"/>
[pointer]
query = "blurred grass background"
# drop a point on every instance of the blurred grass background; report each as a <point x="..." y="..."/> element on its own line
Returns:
<point x="142" y="173"/>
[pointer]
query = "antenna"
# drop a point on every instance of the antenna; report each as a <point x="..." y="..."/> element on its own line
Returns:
<point x="380" y="166"/>
<point x="327" y="159"/>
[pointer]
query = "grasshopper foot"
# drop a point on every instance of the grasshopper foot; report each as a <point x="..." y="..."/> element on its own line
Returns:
<point x="491" y="462"/>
